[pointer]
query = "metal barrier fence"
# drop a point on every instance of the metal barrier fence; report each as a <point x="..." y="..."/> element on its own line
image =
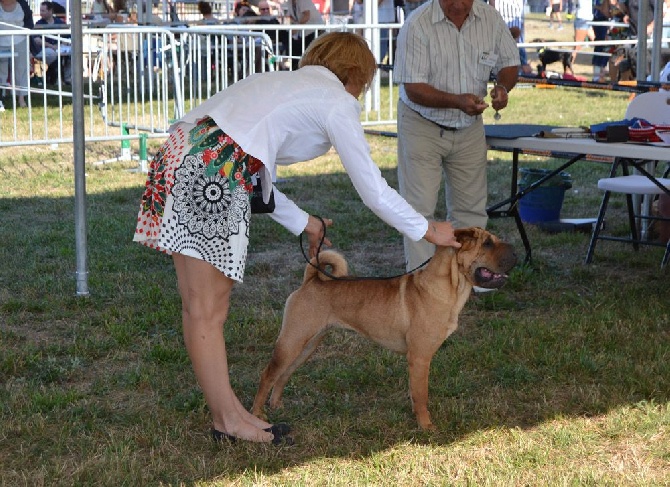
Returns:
<point x="133" y="77"/>
<point x="138" y="80"/>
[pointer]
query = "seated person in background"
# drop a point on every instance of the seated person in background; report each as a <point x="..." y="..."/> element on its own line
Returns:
<point x="47" y="47"/>
<point x="275" y="7"/>
<point x="525" y="69"/>
<point x="267" y="18"/>
<point x="269" y="11"/>
<point x="60" y="10"/>
<point x="266" y="12"/>
<point x="241" y="8"/>
<point x="302" y="12"/>
<point x="244" y="13"/>
<point x="205" y="9"/>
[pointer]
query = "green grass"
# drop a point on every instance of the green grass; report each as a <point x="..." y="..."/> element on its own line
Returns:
<point x="560" y="378"/>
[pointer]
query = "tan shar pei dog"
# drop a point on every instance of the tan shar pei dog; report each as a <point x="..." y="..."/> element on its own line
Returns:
<point x="411" y="314"/>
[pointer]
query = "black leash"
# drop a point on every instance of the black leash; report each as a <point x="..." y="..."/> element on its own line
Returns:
<point x="346" y="278"/>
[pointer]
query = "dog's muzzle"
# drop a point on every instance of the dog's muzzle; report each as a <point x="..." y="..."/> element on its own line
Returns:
<point x="493" y="279"/>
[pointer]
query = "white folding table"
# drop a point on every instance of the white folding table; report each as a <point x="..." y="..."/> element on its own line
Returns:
<point x="571" y="148"/>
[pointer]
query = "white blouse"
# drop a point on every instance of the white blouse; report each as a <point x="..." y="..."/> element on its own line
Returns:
<point x="284" y="117"/>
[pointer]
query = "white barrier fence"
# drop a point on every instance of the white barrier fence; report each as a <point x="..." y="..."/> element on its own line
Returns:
<point x="138" y="80"/>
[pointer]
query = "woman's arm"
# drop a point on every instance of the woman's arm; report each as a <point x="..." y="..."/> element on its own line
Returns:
<point x="346" y="134"/>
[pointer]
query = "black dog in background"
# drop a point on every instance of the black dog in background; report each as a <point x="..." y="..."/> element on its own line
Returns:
<point x="547" y="56"/>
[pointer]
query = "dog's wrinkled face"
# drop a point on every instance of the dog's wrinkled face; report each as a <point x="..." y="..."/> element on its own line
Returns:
<point x="486" y="260"/>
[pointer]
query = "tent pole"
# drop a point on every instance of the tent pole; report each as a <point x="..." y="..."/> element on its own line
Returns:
<point x="78" y="138"/>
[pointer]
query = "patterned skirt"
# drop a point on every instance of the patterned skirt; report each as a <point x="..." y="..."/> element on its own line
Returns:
<point x="196" y="198"/>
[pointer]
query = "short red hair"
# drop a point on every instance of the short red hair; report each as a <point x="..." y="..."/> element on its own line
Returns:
<point x="346" y="54"/>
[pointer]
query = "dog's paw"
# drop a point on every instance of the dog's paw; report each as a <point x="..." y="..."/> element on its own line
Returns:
<point x="260" y="413"/>
<point x="276" y="404"/>
<point x="428" y="426"/>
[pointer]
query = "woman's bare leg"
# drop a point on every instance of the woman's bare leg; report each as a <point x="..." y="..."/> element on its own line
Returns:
<point x="580" y="36"/>
<point x="205" y="294"/>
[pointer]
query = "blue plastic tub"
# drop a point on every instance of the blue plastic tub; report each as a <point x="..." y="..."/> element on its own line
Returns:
<point x="542" y="204"/>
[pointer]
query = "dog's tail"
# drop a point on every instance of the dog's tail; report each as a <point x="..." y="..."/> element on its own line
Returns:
<point x="329" y="261"/>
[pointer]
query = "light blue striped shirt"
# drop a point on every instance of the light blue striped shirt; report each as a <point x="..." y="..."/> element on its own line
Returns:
<point x="432" y="50"/>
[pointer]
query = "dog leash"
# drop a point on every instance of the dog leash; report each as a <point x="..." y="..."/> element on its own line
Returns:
<point x="346" y="278"/>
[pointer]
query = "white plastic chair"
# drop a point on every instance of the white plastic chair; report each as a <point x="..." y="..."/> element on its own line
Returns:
<point x="638" y="188"/>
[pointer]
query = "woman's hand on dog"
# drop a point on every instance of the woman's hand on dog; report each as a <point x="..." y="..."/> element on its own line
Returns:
<point x="316" y="230"/>
<point x="442" y="234"/>
<point x="499" y="97"/>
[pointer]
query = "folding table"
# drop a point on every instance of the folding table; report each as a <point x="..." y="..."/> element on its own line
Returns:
<point x="520" y="139"/>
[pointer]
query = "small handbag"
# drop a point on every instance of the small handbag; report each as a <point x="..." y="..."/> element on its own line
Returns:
<point x="256" y="200"/>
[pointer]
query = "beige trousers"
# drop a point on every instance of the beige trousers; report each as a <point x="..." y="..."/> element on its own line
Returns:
<point x="426" y="152"/>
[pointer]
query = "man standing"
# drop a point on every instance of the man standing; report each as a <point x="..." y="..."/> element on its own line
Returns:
<point x="447" y="51"/>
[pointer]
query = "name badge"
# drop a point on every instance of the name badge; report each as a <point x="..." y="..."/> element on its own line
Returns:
<point x="488" y="59"/>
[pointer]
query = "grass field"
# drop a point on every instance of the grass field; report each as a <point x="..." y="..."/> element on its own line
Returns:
<point x="560" y="378"/>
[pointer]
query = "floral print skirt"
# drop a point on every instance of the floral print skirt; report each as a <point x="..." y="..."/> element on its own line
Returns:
<point x="196" y="198"/>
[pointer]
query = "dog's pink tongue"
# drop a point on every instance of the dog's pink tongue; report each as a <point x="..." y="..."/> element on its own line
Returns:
<point x="487" y="273"/>
<point x="490" y="275"/>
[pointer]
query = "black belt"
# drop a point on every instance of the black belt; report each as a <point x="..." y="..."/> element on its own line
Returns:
<point x="443" y="127"/>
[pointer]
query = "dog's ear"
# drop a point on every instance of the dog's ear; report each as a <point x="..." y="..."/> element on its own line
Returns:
<point x="467" y="237"/>
<point x="470" y="240"/>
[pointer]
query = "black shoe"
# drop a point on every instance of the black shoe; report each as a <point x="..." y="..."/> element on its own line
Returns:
<point x="279" y="431"/>
<point x="220" y="437"/>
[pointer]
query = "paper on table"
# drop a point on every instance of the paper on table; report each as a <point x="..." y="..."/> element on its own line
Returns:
<point x="566" y="133"/>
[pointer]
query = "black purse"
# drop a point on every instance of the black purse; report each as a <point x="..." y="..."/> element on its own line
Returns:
<point x="256" y="201"/>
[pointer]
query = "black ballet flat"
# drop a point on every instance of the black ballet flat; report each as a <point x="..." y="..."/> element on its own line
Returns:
<point x="280" y="433"/>
<point x="221" y="437"/>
